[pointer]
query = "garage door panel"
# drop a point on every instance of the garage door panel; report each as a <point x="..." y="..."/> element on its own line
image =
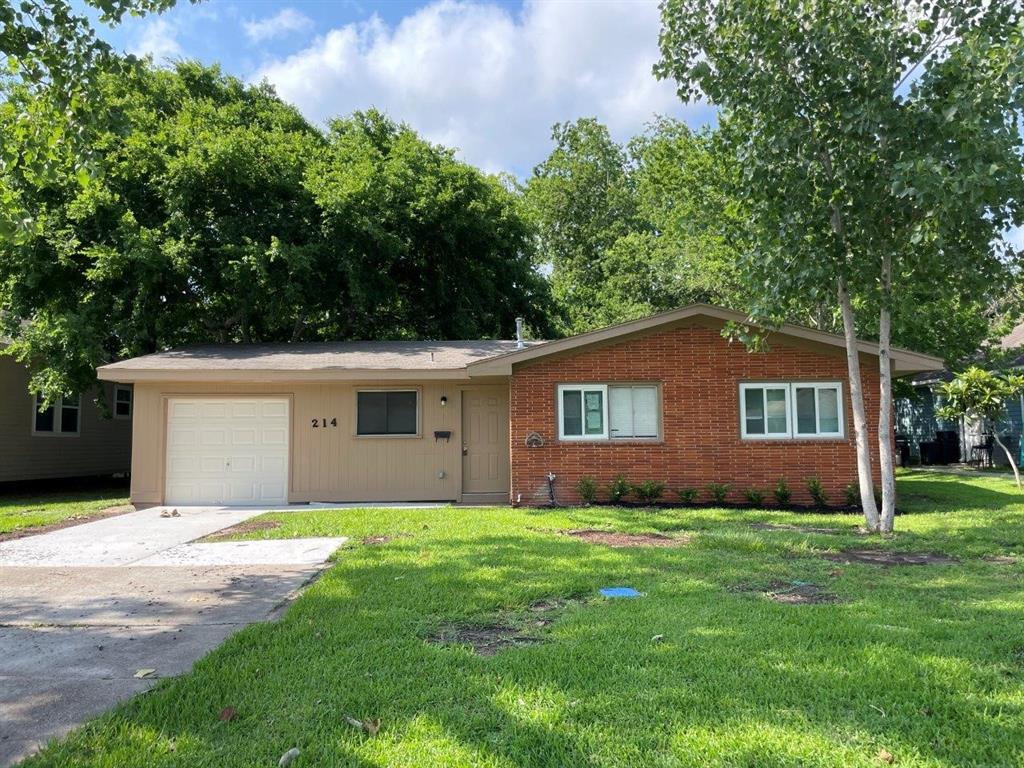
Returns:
<point x="274" y="409"/>
<point x="274" y="436"/>
<point x="227" y="451"/>
<point x="243" y="464"/>
<point x="274" y="464"/>
<point x="243" y="437"/>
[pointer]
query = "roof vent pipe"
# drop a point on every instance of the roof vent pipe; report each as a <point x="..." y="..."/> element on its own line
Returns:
<point x="519" y="333"/>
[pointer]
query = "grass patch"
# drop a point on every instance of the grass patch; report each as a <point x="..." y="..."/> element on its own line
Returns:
<point x="925" y="663"/>
<point x="22" y="512"/>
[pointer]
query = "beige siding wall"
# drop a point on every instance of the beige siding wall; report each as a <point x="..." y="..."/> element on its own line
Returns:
<point x="326" y="464"/>
<point x="102" y="447"/>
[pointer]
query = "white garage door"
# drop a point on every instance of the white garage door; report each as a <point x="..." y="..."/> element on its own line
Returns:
<point x="227" y="451"/>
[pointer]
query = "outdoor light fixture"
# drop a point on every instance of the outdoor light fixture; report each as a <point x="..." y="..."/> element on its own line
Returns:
<point x="444" y="400"/>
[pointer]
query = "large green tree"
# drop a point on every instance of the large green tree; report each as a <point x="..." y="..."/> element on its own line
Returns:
<point x="880" y="157"/>
<point x="633" y="229"/>
<point x="217" y="213"/>
<point x="50" y="49"/>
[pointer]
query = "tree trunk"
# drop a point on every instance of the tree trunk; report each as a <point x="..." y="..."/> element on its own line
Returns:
<point x="860" y="421"/>
<point x="1009" y="456"/>
<point x="885" y="457"/>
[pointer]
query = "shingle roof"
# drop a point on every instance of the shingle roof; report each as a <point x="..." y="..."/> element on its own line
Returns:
<point x="323" y="356"/>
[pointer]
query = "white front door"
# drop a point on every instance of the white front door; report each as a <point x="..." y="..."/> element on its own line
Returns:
<point x="227" y="451"/>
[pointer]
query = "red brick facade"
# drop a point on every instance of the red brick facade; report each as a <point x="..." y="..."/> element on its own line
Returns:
<point x="699" y="373"/>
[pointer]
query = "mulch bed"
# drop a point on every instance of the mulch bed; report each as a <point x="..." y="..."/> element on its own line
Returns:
<point x="67" y="522"/>
<point x="889" y="559"/>
<point x="485" y="639"/>
<point x="249" y="526"/>
<point x="616" y="539"/>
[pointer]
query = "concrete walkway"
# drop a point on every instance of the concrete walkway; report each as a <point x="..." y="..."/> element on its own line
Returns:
<point x="83" y="609"/>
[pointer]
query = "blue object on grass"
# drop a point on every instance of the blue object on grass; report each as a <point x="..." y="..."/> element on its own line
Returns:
<point x="620" y="592"/>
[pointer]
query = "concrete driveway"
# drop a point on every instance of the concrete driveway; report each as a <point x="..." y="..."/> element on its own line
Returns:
<point x="83" y="609"/>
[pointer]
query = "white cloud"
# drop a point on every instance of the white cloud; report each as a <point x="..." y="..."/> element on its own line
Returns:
<point x="284" y="22"/>
<point x="473" y="76"/>
<point x="158" y="38"/>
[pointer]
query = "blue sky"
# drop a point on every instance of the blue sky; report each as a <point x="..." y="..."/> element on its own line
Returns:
<point x="488" y="77"/>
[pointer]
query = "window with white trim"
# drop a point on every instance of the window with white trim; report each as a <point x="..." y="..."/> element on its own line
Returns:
<point x="633" y="411"/>
<point x="122" y="402"/>
<point x="608" y="411"/>
<point x="61" y="418"/>
<point x="784" y="410"/>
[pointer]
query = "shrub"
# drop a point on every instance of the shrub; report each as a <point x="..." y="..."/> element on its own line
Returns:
<point x="817" y="491"/>
<point x="718" y="492"/>
<point x="586" y="487"/>
<point x="649" y="491"/>
<point x="852" y="494"/>
<point x="782" y="492"/>
<point x="618" y="490"/>
<point x="754" y="496"/>
<point x="688" y="495"/>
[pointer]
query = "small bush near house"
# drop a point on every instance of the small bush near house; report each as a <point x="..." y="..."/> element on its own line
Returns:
<point x="782" y="492"/>
<point x="649" y="491"/>
<point x="754" y="496"/>
<point x="688" y="495"/>
<point x="718" y="492"/>
<point x="618" y="490"/>
<point x="817" y="491"/>
<point x="586" y="487"/>
<point x="852" y="495"/>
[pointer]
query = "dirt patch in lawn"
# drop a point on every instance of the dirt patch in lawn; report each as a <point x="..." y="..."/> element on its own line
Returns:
<point x="800" y="593"/>
<point x="485" y="639"/>
<point x="67" y="522"/>
<point x="791" y="592"/>
<point x="1002" y="559"/>
<point x="801" y="528"/>
<point x="249" y="526"/>
<point x="888" y="559"/>
<point x="616" y="539"/>
<point x="381" y="538"/>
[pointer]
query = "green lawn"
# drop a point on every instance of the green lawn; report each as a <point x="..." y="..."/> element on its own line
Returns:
<point x="20" y="511"/>
<point x="924" y="662"/>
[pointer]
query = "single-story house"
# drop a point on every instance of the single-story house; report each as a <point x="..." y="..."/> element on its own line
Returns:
<point x="71" y="438"/>
<point x="918" y="422"/>
<point x="664" y="398"/>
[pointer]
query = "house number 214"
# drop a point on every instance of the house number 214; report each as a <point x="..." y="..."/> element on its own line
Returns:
<point x="317" y="423"/>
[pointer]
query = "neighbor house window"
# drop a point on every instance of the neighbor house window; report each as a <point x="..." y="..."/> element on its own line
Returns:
<point x="781" y="410"/>
<point x="607" y="411"/>
<point x="122" y="402"/>
<point x="61" y="418"/>
<point x="386" y="413"/>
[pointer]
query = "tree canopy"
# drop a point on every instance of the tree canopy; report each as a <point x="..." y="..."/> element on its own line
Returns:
<point x="879" y="156"/>
<point x="218" y="213"/>
<point x="629" y="230"/>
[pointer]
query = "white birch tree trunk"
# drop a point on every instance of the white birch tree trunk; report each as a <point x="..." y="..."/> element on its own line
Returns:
<point x="885" y="457"/>
<point x="1009" y="455"/>
<point x="860" y="421"/>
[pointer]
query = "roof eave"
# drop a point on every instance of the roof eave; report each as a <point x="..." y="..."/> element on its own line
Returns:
<point x="904" y="361"/>
<point x="128" y="375"/>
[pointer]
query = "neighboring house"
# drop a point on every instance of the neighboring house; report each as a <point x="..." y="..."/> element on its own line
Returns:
<point x="664" y="398"/>
<point x="916" y="419"/>
<point x="69" y="439"/>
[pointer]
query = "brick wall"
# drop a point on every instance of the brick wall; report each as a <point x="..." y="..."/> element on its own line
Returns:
<point x="700" y="374"/>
